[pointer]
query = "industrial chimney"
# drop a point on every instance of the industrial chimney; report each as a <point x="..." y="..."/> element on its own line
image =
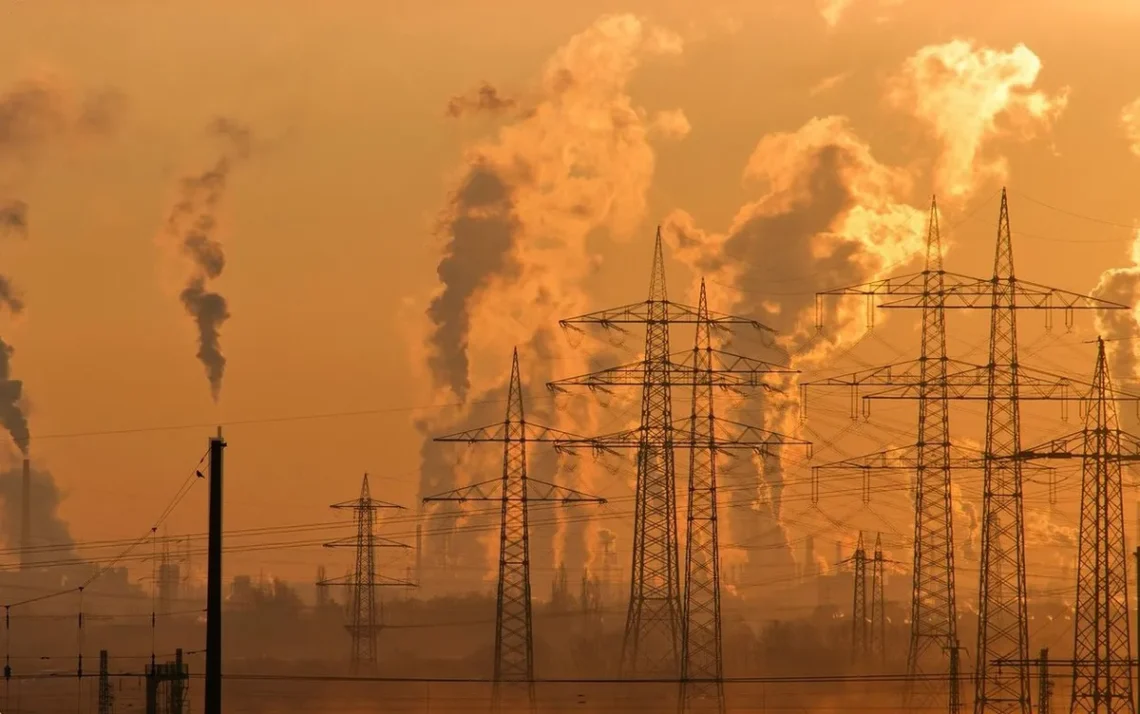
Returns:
<point x="26" y="516"/>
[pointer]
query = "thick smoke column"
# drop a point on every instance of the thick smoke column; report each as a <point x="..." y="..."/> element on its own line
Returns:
<point x="11" y="413"/>
<point x="571" y="166"/>
<point x="193" y="222"/>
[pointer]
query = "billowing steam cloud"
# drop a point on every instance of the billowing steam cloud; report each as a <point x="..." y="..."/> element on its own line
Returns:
<point x="574" y="164"/>
<point x="524" y="203"/>
<point x="961" y="91"/>
<point x="484" y="99"/>
<point x="830" y="216"/>
<point x="1121" y="285"/>
<point x="193" y="223"/>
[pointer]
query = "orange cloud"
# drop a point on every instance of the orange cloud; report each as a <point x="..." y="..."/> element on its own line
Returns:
<point x="961" y="92"/>
<point x="1130" y="121"/>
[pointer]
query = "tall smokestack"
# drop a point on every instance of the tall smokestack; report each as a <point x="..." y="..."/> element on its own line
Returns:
<point x="26" y="516"/>
<point x="214" y="582"/>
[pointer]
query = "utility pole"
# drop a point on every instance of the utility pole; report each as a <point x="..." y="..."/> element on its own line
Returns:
<point x="1003" y="382"/>
<point x="514" y="639"/>
<point x="653" y="630"/>
<point x="214" y="581"/>
<point x="365" y="621"/>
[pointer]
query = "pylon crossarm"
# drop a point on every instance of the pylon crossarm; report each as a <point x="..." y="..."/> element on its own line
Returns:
<point x="905" y="458"/>
<point x="966" y="292"/>
<point x="365" y="503"/>
<point x="735" y="372"/>
<point x="482" y="491"/>
<point x="1073" y="446"/>
<point x="500" y="432"/>
<point x="543" y="491"/>
<point x="353" y="541"/>
<point x="380" y="581"/>
<point x="639" y="313"/>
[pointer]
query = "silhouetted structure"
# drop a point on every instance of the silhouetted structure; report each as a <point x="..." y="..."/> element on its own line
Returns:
<point x="364" y="618"/>
<point x="514" y="639"/>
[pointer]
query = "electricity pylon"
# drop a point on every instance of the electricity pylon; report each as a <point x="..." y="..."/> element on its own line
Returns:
<point x="514" y="640"/>
<point x="365" y="619"/>
<point x="1102" y="677"/>
<point x="878" y="603"/>
<point x="859" y="642"/>
<point x="933" y="380"/>
<point x="650" y="645"/>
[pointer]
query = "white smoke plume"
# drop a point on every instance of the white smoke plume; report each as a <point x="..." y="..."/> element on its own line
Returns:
<point x="193" y="223"/>
<point x="576" y="162"/>
<point x="829" y="214"/>
<point x="968" y="96"/>
<point x="1121" y="285"/>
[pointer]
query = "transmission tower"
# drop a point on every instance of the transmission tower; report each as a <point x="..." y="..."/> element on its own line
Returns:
<point x="878" y="603"/>
<point x="933" y="380"/>
<point x="1102" y="678"/>
<point x="1044" y="685"/>
<point x="514" y="642"/>
<point x="859" y="643"/>
<point x="653" y="623"/>
<point x="106" y="694"/>
<point x="365" y="620"/>
<point x="702" y="657"/>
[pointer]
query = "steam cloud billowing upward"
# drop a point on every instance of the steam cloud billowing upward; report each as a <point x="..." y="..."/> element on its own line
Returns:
<point x="484" y="99"/>
<point x="832" y="215"/>
<point x="45" y="499"/>
<point x="193" y="222"/>
<point x="961" y="91"/>
<point x="1121" y="285"/>
<point x="573" y="164"/>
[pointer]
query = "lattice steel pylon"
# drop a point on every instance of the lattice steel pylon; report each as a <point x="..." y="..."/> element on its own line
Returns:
<point x="1001" y="383"/>
<point x="514" y="641"/>
<point x="365" y="619"/>
<point x="1102" y="677"/>
<point x="878" y="602"/>
<point x="650" y="645"/>
<point x="1003" y="624"/>
<point x="702" y="658"/>
<point x="859" y="634"/>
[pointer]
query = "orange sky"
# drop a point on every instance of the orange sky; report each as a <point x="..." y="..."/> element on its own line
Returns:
<point x="328" y="229"/>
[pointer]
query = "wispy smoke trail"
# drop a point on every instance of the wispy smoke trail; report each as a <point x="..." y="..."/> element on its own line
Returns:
<point x="485" y="99"/>
<point x="35" y="114"/>
<point x="960" y="90"/>
<point x="193" y="222"/>
<point x="573" y="164"/>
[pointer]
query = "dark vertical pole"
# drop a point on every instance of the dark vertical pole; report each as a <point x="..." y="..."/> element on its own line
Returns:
<point x="1136" y="682"/>
<point x="214" y="582"/>
<point x="26" y="515"/>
